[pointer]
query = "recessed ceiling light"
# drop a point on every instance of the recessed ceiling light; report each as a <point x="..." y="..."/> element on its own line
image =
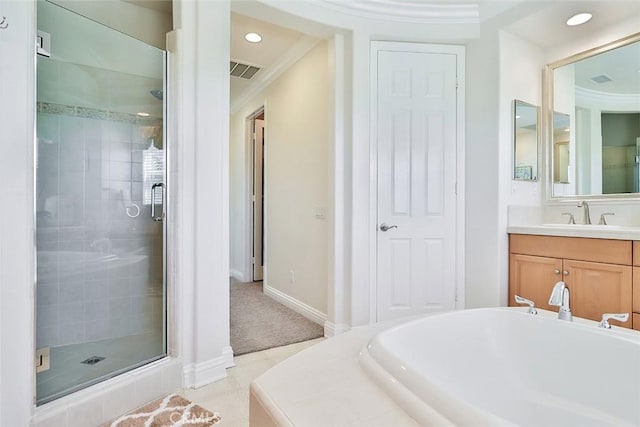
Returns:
<point x="143" y="114"/>
<point x="517" y="117"/>
<point x="567" y="130"/>
<point x="579" y="19"/>
<point x="253" y="37"/>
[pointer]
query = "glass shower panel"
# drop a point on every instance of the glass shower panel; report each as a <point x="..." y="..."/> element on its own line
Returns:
<point x="101" y="304"/>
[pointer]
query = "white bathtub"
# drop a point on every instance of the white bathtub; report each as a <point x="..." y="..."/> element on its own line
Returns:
<point x="506" y="367"/>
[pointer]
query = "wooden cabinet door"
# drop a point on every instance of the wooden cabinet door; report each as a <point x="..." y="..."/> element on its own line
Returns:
<point x="533" y="277"/>
<point x="597" y="288"/>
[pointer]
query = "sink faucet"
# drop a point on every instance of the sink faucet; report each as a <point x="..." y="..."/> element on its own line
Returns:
<point x="560" y="298"/>
<point x="585" y="205"/>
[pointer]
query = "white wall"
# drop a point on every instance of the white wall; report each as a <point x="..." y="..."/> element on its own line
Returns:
<point x="296" y="179"/>
<point x="482" y="173"/>
<point x="16" y="221"/>
<point x="520" y="78"/>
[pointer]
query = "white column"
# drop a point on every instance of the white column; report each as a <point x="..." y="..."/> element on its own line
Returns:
<point x="17" y="91"/>
<point x="337" y="320"/>
<point x="203" y="115"/>
<point x="363" y="244"/>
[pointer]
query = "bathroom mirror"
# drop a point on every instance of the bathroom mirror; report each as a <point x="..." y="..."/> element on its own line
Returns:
<point x="525" y="141"/>
<point x="592" y="108"/>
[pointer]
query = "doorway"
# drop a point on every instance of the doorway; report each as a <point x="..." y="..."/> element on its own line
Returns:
<point x="257" y="137"/>
<point x="416" y="107"/>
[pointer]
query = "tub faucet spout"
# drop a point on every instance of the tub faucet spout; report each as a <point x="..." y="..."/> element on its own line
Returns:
<point x="560" y="298"/>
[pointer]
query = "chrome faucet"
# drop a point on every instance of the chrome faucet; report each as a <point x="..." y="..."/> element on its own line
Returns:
<point x="560" y="298"/>
<point x="587" y="217"/>
<point x="531" y="304"/>
<point x="621" y="317"/>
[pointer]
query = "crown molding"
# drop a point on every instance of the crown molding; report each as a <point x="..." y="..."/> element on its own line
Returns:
<point x="606" y="100"/>
<point x="269" y="74"/>
<point x="407" y="11"/>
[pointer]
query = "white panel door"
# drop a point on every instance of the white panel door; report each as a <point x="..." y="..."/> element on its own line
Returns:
<point x="416" y="130"/>
<point x="258" y="200"/>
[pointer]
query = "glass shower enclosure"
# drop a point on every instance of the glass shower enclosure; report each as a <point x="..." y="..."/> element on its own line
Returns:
<point x="100" y="197"/>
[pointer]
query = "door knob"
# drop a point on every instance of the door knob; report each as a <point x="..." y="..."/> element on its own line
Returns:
<point x="385" y="227"/>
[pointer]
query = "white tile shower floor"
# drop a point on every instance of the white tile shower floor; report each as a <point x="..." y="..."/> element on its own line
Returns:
<point x="230" y="396"/>
<point x="67" y="372"/>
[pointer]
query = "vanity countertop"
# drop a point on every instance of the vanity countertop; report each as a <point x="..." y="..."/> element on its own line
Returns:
<point x="593" y="231"/>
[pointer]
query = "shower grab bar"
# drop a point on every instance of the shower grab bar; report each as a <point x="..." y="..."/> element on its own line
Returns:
<point x="153" y="201"/>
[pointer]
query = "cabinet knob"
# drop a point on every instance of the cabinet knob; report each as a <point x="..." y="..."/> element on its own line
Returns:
<point x="565" y="273"/>
<point x="556" y="271"/>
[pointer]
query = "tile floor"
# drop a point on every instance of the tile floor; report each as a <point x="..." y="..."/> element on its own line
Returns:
<point x="230" y="396"/>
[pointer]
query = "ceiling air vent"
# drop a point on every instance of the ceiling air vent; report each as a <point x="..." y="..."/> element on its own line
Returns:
<point x="601" y="79"/>
<point x="244" y="71"/>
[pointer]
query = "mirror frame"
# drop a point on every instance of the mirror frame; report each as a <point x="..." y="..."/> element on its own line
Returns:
<point x="547" y="123"/>
<point x="535" y="174"/>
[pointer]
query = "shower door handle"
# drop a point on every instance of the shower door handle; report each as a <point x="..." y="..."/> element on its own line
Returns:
<point x="153" y="201"/>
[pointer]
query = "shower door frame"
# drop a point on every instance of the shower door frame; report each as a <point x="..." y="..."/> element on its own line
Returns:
<point x="167" y="309"/>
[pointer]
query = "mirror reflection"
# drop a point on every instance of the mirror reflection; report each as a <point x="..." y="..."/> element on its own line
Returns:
<point x="525" y="147"/>
<point x="561" y="132"/>
<point x="596" y="131"/>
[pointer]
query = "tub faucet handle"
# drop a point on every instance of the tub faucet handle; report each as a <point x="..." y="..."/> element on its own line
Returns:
<point x="532" y="305"/>
<point x="604" y="323"/>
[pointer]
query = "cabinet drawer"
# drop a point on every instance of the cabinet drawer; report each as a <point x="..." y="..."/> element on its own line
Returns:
<point x="636" y="321"/>
<point x="577" y="248"/>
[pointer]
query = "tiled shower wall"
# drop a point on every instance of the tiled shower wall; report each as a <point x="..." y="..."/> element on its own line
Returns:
<point x="99" y="264"/>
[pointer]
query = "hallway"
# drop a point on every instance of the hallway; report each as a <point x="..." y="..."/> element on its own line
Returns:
<point x="258" y="322"/>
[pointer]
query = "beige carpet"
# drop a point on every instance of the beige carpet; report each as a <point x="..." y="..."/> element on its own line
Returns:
<point x="259" y="322"/>
<point x="171" y="411"/>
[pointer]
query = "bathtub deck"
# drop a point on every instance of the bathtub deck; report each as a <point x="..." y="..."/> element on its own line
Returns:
<point x="325" y="386"/>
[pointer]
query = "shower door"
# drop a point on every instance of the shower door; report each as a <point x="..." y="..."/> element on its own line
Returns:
<point x="100" y="197"/>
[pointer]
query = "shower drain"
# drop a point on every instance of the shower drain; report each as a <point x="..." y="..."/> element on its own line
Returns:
<point x="93" y="360"/>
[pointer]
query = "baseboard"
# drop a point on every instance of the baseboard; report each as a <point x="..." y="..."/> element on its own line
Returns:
<point x="196" y="375"/>
<point x="299" y="307"/>
<point x="236" y="274"/>
<point x="331" y="329"/>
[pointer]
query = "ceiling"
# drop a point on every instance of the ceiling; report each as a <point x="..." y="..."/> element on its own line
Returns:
<point x="543" y="24"/>
<point x="547" y="27"/>
<point x="621" y="65"/>
<point x="276" y="41"/>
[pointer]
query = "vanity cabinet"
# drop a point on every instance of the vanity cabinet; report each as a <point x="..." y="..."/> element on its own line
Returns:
<point x="636" y="285"/>
<point x="598" y="273"/>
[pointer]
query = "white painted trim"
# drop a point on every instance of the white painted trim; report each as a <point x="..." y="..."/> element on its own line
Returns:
<point x="331" y="329"/>
<point x="299" y="307"/>
<point x="196" y="375"/>
<point x="459" y="51"/>
<point x="237" y="275"/>
<point x="336" y="290"/>
<point x="414" y="12"/>
<point x="269" y="74"/>
<point x="606" y="101"/>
